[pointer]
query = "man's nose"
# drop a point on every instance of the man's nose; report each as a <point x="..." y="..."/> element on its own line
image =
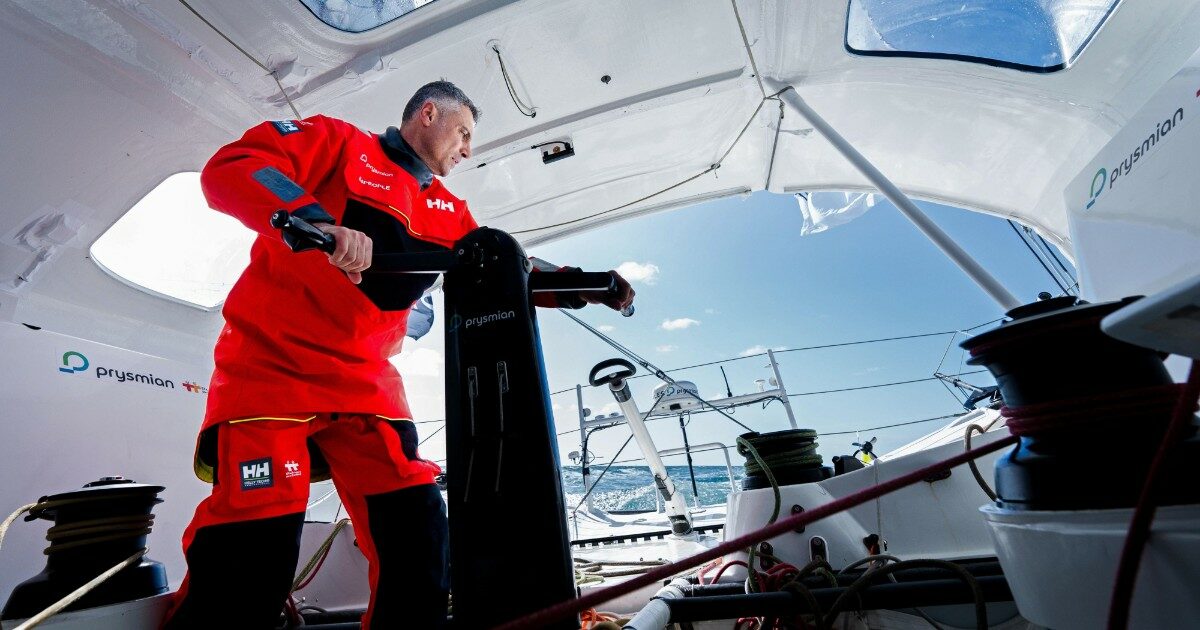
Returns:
<point x="466" y="150"/>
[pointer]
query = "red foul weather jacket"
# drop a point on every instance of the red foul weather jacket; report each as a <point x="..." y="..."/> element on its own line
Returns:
<point x="299" y="337"/>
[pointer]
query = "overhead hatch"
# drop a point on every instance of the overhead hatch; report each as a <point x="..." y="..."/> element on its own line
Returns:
<point x="1030" y="35"/>
<point x="172" y="245"/>
<point x="356" y="16"/>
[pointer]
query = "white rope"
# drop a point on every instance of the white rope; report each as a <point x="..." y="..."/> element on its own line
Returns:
<point x="79" y="592"/>
<point x="11" y="518"/>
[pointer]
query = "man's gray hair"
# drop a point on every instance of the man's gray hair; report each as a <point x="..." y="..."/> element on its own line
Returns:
<point x="439" y="92"/>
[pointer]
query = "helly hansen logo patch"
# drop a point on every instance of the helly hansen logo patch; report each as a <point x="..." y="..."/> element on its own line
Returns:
<point x="256" y="473"/>
<point x="440" y="204"/>
<point x="284" y="127"/>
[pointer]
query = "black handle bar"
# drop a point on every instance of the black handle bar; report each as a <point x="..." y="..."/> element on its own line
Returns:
<point x="301" y="235"/>
<point x="572" y="281"/>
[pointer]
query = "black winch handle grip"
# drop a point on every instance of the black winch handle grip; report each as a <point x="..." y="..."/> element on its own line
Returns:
<point x="574" y="281"/>
<point x="301" y="235"/>
<point x="625" y="372"/>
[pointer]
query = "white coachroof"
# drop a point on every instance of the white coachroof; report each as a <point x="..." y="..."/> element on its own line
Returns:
<point x="103" y="99"/>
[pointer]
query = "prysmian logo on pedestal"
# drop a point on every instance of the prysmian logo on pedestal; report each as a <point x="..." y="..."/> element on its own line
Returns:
<point x="487" y="319"/>
<point x="1105" y="179"/>
<point x="73" y="362"/>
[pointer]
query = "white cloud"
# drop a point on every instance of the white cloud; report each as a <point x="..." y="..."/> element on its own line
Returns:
<point x="646" y="273"/>
<point x="710" y="311"/>
<point x="420" y="362"/>
<point x="605" y="328"/>
<point x="759" y="349"/>
<point x="666" y="348"/>
<point x="679" y="324"/>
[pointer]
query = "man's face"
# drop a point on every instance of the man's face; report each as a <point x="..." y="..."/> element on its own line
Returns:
<point x="447" y="134"/>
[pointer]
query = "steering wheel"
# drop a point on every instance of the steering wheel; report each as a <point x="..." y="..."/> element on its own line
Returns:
<point x="622" y="374"/>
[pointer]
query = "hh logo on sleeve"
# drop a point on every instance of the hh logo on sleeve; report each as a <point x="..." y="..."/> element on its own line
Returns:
<point x="256" y="473"/>
<point x="284" y="127"/>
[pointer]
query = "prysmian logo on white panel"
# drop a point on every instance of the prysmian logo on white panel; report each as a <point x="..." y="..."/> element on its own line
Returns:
<point x="74" y="362"/>
<point x="1107" y="177"/>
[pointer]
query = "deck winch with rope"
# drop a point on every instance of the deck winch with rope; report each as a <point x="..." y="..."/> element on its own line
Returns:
<point x="790" y="455"/>
<point x="1069" y="390"/>
<point x="96" y="529"/>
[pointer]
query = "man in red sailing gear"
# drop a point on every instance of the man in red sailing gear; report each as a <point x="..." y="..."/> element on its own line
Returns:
<point x="303" y="389"/>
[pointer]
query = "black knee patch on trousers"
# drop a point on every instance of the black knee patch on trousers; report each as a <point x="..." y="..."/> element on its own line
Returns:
<point x="411" y="536"/>
<point x="240" y="574"/>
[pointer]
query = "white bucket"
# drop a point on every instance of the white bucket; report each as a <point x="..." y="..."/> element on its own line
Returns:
<point x="1061" y="565"/>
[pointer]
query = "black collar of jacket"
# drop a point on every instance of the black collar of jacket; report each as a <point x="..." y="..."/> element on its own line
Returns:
<point x="403" y="155"/>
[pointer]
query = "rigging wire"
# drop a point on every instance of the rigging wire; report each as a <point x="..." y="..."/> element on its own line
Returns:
<point x="1057" y="260"/>
<point x="601" y="477"/>
<point x="525" y="110"/>
<point x="950" y="391"/>
<point x="1036" y="257"/>
<point x="435" y="432"/>
<point x="1048" y="252"/>
<point x="892" y="426"/>
<point x="749" y="51"/>
<point x="258" y="63"/>
<point x="805" y="348"/>
<point x="819" y="347"/>
<point x="774" y="145"/>
<point x="650" y="367"/>
<point x="851" y="389"/>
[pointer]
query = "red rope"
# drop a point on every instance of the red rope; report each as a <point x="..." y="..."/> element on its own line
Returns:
<point x="1119" y="405"/>
<point x="565" y="609"/>
<point x="1143" y="513"/>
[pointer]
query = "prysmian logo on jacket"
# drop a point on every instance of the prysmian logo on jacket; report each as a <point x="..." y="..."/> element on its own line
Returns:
<point x="256" y="473"/>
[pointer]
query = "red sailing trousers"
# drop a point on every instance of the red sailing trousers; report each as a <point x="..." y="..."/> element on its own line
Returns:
<point x="242" y="545"/>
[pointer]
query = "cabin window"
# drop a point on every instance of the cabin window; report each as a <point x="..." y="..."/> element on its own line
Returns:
<point x="172" y="245"/>
<point x="1030" y="35"/>
<point x="356" y="16"/>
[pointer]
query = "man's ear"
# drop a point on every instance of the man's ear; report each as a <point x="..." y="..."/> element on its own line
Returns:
<point x="429" y="113"/>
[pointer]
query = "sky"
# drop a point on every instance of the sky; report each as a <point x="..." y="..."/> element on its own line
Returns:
<point x="734" y="277"/>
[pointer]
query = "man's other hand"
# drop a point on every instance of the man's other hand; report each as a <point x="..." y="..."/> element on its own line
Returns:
<point x="353" y="253"/>
<point x="616" y="301"/>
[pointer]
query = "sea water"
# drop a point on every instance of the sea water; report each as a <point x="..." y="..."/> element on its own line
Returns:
<point x="632" y="487"/>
